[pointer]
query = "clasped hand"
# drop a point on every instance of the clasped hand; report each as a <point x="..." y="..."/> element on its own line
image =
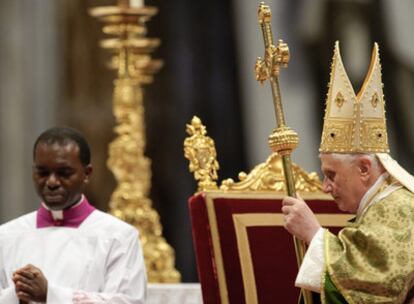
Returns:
<point x="299" y="219"/>
<point x="30" y="284"/>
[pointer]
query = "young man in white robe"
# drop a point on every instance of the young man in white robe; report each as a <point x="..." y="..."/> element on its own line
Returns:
<point x="67" y="252"/>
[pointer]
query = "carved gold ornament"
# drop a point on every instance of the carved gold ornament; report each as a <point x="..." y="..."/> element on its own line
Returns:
<point x="130" y="201"/>
<point x="357" y="126"/>
<point x="269" y="176"/>
<point x="283" y="140"/>
<point x="200" y="150"/>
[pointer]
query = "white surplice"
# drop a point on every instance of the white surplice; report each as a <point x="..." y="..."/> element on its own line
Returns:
<point x="99" y="262"/>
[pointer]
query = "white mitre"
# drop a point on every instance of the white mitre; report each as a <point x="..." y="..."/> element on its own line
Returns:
<point x="356" y="123"/>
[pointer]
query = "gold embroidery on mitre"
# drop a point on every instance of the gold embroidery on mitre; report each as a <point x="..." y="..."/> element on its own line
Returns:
<point x="358" y="126"/>
<point x="339" y="100"/>
<point x="375" y="100"/>
<point x="374" y="135"/>
<point x="338" y="134"/>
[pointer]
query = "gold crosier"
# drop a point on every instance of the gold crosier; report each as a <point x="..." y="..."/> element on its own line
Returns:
<point x="283" y="140"/>
<point x="130" y="167"/>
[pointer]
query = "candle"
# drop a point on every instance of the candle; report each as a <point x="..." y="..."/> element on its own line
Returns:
<point x="136" y="3"/>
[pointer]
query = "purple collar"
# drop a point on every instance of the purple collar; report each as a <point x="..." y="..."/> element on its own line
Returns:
<point x="72" y="217"/>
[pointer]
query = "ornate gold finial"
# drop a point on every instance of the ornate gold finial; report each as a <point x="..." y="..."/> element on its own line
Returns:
<point x="275" y="56"/>
<point x="130" y="167"/>
<point x="354" y="123"/>
<point x="200" y="150"/>
<point x="283" y="140"/>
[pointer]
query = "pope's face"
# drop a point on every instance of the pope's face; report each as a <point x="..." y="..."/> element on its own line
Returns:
<point x="58" y="174"/>
<point x="342" y="179"/>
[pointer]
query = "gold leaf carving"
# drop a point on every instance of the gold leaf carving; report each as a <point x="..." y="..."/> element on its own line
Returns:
<point x="200" y="150"/>
<point x="269" y="176"/>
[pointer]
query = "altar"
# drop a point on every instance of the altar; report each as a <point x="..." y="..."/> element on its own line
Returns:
<point x="183" y="293"/>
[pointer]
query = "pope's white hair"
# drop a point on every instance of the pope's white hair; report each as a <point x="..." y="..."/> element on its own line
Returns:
<point x="351" y="158"/>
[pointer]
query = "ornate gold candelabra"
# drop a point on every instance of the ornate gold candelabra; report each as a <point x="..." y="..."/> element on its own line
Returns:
<point x="283" y="140"/>
<point x="130" y="202"/>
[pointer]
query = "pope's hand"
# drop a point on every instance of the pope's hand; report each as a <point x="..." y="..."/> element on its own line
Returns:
<point x="30" y="284"/>
<point x="299" y="219"/>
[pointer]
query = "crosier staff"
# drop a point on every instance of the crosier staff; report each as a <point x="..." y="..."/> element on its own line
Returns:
<point x="283" y="140"/>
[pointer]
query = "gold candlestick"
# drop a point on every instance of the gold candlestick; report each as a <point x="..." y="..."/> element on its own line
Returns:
<point x="283" y="140"/>
<point x="130" y="201"/>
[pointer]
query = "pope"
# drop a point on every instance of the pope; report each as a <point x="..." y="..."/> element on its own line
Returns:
<point x="370" y="260"/>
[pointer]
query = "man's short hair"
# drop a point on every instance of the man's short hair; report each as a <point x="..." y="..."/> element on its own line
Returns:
<point x="63" y="136"/>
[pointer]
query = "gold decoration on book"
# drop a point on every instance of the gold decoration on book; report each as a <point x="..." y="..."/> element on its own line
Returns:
<point x="131" y="168"/>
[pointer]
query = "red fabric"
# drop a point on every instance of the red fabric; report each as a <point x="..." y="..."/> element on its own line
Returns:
<point x="271" y="247"/>
<point x="204" y="250"/>
<point x="269" y="274"/>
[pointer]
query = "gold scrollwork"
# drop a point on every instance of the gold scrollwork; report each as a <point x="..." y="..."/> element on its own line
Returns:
<point x="269" y="176"/>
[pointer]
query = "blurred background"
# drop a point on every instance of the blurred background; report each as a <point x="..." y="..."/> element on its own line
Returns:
<point x="52" y="72"/>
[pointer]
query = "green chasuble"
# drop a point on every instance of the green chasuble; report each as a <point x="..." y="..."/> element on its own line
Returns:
<point x="372" y="259"/>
